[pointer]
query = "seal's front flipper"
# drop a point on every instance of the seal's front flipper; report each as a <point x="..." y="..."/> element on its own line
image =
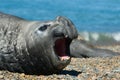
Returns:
<point x="80" y="48"/>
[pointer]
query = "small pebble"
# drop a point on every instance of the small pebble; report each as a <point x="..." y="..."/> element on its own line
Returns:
<point x="1" y="76"/>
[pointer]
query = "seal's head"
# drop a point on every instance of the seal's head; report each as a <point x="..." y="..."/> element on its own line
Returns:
<point x="48" y="44"/>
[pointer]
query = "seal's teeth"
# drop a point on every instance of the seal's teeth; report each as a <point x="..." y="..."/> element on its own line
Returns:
<point x="66" y="36"/>
<point x="64" y="58"/>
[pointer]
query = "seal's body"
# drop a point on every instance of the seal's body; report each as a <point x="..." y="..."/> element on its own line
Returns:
<point x="83" y="49"/>
<point x="35" y="47"/>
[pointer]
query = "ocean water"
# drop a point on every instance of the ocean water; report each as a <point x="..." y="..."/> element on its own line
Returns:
<point x="89" y="16"/>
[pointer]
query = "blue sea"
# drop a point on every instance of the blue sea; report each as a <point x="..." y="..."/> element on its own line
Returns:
<point x="92" y="18"/>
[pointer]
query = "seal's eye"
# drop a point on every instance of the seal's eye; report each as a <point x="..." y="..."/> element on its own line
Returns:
<point x="43" y="28"/>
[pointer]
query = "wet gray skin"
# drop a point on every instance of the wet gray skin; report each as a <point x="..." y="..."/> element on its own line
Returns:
<point x="34" y="47"/>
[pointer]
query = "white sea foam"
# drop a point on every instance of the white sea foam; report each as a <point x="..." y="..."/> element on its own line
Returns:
<point x="95" y="36"/>
<point x="101" y="38"/>
<point x="116" y="36"/>
<point x="85" y="35"/>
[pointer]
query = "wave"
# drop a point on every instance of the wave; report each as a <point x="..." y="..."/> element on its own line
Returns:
<point x="101" y="38"/>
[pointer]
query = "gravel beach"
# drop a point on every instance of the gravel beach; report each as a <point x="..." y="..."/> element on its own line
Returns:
<point x="78" y="69"/>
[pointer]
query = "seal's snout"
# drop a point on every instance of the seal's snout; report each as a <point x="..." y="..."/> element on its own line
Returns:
<point x="61" y="43"/>
<point x="63" y="35"/>
<point x="68" y="26"/>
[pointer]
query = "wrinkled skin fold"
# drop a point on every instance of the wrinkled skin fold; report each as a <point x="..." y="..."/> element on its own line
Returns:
<point x="31" y="47"/>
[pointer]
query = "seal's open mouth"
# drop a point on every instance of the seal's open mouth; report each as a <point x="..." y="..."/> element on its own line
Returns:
<point x="62" y="48"/>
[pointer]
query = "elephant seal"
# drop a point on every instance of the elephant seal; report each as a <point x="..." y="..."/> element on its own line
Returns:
<point x="35" y="47"/>
<point x="83" y="49"/>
